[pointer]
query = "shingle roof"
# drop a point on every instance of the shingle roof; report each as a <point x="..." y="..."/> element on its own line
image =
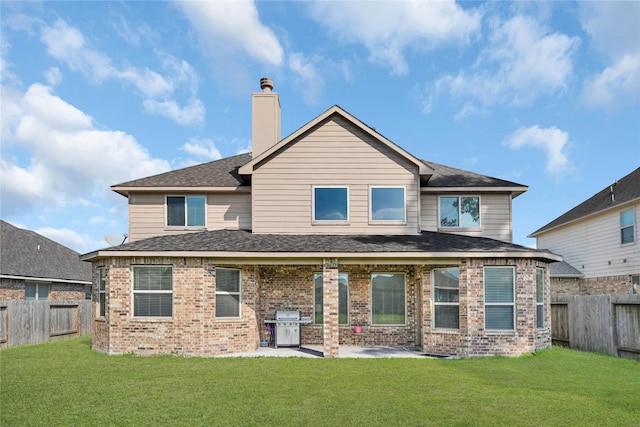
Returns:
<point x="564" y="269"/>
<point x="218" y="173"/>
<point x="446" y="176"/>
<point x="223" y="173"/>
<point x="25" y="253"/>
<point x="247" y="242"/>
<point x="623" y="191"/>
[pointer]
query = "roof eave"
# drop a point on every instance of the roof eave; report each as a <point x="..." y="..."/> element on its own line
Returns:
<point x="515" y="190"/>
<point x="125" y="191"/>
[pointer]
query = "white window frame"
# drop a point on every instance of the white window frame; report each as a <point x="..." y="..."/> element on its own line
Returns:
<point x="38" y="285"/>
<point x="313" y="206"/>
<point x="404" y="282"/>
<point x="238" y="293"/>
<point x="186" y="211"/>
<point x="540" y="312"/>
<point x="632" y="226"/>
<point x="388" y="221"/>
<point x="346" y="276"/>
<point x="102" y="291"/>
<point x="150" y="292"/>
<point x="500" y="304"/>
<point x="459" y="197"/>
<point x="437" y="303"/>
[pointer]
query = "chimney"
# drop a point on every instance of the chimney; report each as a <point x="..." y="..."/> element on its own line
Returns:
<point x="265" y="111"/>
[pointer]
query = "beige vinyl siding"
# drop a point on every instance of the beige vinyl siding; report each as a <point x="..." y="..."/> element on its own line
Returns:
<point x="495" y="215"/>
<point x="595" y="242"/>
<point x="224" y="210"/>
<point x="336" y="153"/>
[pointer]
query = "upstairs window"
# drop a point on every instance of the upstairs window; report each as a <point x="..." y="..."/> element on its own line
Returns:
<point x="186" y="211"/>
<point x="330" y="204"/>
<point x="627" y="234"/>
<point x="446" y="297"/>
<point x="388" y="204"/>
<point x="460" y="211"/>
<point x="343" y="299"/>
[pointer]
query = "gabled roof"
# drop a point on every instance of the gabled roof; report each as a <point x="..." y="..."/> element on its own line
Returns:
<point x="619" y="193"/>
<point x="244" y="244"/>
<point x="423" y="168"/>
<point x="217" y="174"/>
<point x="27" y="255"/>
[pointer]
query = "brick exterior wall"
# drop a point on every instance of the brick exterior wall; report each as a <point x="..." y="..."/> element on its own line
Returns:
<point x="194" y="329"/>
<point x="612" y="285"/>
<point x="14" y="289"/>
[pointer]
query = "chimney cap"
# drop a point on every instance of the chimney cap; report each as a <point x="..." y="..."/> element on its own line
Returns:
<point x="266" y="84"/>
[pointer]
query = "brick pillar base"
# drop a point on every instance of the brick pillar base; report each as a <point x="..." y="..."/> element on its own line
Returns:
<point x="330" y="308"/>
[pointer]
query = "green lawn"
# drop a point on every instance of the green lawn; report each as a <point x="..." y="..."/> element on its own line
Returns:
<point x="66" y="383"/>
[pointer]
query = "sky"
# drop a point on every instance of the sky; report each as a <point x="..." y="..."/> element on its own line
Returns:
<point x="93" y="94"/>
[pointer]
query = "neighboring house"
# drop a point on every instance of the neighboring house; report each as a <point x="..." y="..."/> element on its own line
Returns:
<point x="33" y="267"/>
<point x="598" y="240"/>
<point x="335" y="221"/>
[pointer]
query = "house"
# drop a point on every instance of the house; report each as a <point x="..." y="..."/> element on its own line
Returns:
<point x="598" y="240"/>
<point x="33" y="267"/>
<point x="334" y="221"/>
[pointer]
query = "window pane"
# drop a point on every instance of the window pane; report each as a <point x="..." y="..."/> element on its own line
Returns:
<point x="498" y="284"/>
<point x="151" y="305"/>
<point x="626" y="235"/>
<point x="317" y="279"/>
<point x="387" y="204"/>
<point x="175" y="211"/>
<point x="343" y="298"/>
<point x="227" y="305"/>
<point x="152" y="278"/>
<point x="30" y="291"/>
<point x="469" y="212"/>
<point x="102" y="304"/>
<point x="447" y="316"/>
<point x="330" y="204"/>
<point x="540" y="316"/>
<point x="448" y="211"/>
<point x="388" y="302"/>
<point x="43" y="292"/>
<point x="227" y="280"/>
<point x="539" y="285"/>
<point x="195" y="210"/>
<point x="626" y="218"/>
<point x="498" y="317"/>
<point x="102" y="279"/>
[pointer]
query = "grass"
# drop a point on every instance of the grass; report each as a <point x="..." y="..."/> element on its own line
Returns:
<point x="66" y="383"/>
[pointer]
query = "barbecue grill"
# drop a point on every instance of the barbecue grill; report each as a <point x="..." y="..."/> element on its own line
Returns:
<point x="287" y="327"/>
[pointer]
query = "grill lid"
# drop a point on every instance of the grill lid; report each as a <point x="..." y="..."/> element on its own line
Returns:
<point x="287" y="315"/>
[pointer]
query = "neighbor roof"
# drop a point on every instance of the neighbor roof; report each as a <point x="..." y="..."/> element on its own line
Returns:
<point x="619" y="193"/>
<point x="564" y="269"/>
<point x="247" y="244"/>
<point x="27" y="255"/>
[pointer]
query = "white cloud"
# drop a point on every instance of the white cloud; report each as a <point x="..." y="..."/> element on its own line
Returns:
<point x="81" y="243"/>
<point x="552" y="141"/>
<point x="388" y="29"/>
<point x="71" y="161"/>
<point x="202" y="148"/>
<point x="68" y="45"/>
<point x="614" y="36"/>
<point x="307" y="75"/>
<point x="521" y="62"/>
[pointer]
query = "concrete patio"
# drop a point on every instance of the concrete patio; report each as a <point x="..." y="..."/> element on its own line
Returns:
<point x="345" y="352"/>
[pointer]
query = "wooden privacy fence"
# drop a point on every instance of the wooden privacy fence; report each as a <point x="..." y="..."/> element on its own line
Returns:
<point x="600" y="323"/>
<point x="30" y="322"/>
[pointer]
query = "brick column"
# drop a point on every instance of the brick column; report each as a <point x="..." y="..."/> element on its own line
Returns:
<point x="330" y="308"/>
